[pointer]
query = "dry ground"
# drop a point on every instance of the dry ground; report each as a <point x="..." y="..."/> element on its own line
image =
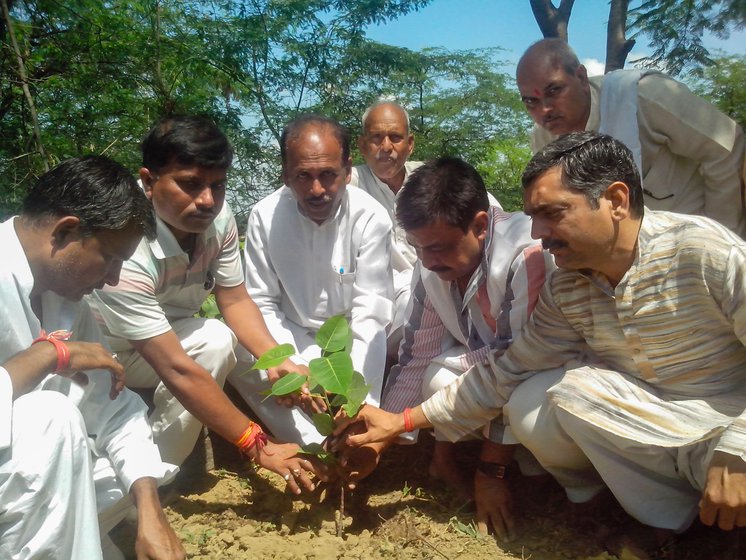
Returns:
<point x="233" y="512"/>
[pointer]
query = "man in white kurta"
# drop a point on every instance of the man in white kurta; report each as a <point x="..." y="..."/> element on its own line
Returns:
<point x="58" y="472"/>
<point x="315" y="249"/>
<point x="690" y="154"/>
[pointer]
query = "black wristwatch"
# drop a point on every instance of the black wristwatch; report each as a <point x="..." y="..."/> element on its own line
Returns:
<point x="493" y="470"/>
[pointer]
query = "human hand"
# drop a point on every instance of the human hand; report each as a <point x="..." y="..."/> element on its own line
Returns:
<point x="285" y="460"/>
<point x="724" y="497"/>
<point x="158" y="541"/>
<point x="356" y="463"/>
<point x="303" y="399"/>
<point x="494" y="500"/>
<point x="380" y="427"/>
<point x="90" y="355"/>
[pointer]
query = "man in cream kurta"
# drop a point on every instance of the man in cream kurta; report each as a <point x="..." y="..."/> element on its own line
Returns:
<point x="660" y="411"/>
<point x="691" y="155"/>
<point x="315" y="249"/>
<point x="90" y="457"/>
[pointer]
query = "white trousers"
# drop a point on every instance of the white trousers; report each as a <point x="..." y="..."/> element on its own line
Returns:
<point x="210" y="343"/>
<point x="47" y="495"/>
<point x="658" y="486"/>
<point x="286" y="424"/>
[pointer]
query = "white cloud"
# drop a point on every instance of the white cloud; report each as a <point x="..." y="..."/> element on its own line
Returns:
<point x="594" y="66"/>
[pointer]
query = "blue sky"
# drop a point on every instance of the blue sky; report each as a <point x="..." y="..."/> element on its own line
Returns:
<point x="510" y="24"/>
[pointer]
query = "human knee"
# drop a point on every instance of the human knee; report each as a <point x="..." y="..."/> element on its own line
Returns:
<point x="216" y="351"/>
<point x="435" y="378"/>
<point x="48" y="412"/>
<point x="527" y="401"/>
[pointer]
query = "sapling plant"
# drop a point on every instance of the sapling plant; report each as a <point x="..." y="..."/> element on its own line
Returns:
<point x="332" y="379"/>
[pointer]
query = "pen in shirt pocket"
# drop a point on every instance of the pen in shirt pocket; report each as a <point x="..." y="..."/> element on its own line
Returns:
<point x="341" y="273"/>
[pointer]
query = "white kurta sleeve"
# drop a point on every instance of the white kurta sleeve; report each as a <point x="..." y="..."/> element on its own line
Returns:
<point x="372" y="303"/>
<point x="6" y="408"/>
<point x="262" y="281"/>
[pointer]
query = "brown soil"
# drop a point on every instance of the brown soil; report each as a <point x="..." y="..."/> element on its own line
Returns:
<point x="234" y="512"/>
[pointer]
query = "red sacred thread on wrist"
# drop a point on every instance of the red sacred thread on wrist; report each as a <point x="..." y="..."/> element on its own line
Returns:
<point x="252" y="437"/>
<point x="408" y="425"/>
<point x="57" y="338"/>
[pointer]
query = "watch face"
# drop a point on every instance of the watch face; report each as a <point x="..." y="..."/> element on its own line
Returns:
<point x="209" y="281"/>
<point x="493" y="470"/>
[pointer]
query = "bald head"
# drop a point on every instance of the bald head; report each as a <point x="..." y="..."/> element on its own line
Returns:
<point x="552" y="52"/>
<point x="386" y="142"/>
<point x="373" y="113"/>
<point x="554" y="87"/>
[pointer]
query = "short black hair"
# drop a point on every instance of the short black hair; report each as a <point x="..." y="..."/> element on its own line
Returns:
<point x="294" y="128"/>
<point x="445" y="188"/>
<point x="98" y="191"/>
<point x="589" y="162"/>
<point x="186" y="140"/>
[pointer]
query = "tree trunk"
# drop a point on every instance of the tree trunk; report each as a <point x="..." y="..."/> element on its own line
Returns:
<point x="552" y="21"/>
<point x="24" y="83"/>
<point x="617" y="44"/>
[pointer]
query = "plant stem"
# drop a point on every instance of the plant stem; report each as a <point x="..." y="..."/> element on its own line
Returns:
<point x="341" y="525"/>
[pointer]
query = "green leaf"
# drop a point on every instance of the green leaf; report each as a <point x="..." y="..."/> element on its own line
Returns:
<point x="356" y="394"/>
<point x="339" y="400"/>
<point x="317" y="450"/>
<point x="333" y="373"/>
<point x="333" y="334"/>
<point x="275" y="356"/>
<point x="287" y="384"/>
<point x="324" y="423"/>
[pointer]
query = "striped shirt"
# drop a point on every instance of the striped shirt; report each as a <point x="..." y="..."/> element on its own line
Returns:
<point x="496" y="304"/>
<point x="668" y="340"/>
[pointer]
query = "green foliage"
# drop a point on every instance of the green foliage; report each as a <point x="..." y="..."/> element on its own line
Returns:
<point x="676" y="28"/>
<point x="470" y="529"/>
<point x="209" y="308"/>
<point x="723" y="84"/>
<point x="332" y="374"/>
<point x="275" y="356"/>
<point x="102" y="71"/>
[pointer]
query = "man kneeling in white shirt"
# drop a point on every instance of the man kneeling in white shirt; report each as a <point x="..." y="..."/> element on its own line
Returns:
<point x="74" y="445"/>
<point x="315" y="249"/>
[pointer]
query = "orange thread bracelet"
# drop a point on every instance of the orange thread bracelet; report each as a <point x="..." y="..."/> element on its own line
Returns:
<point x="408" y="425"/>
<point x="57" y="338"/>
<point x="253" y="436"/>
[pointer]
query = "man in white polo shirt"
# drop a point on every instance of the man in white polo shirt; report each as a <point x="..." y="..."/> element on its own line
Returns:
<point x="149" y="316"/>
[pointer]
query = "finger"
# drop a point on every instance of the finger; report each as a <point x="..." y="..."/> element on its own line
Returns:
<point x="341" y="422"/>
<point x="300" y="475"/>
<point x="726" y="518"/>
<point x="292" y="485"/>
<point x="498" y="525"/>
<point x="509" y="523"/>
<point x="707" y="512"/>
<point x="481" y="521"/>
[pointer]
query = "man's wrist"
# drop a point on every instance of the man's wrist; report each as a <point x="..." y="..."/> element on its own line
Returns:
<point x="494" y="470"/>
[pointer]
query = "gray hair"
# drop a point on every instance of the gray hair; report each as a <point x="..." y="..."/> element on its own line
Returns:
<point x="377" y="104"/>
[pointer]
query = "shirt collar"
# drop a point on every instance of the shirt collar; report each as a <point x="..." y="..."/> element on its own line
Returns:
<point x="21" y="269"/>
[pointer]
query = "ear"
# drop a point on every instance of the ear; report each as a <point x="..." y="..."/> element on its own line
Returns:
<point x="348" y="170"/>
<point x="65" y="230"/>
<point x="617" y="195"/>
<point x="411" y="144"/>
<point x="479" y="224"/>
<point x="147" y="179"/>
<point x="581" y="73"/>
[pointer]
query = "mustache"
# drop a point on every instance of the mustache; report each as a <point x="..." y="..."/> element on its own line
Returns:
<point x="548" y="244"/>
<point x="315" y="199"/>
<point x="438" y="269"/>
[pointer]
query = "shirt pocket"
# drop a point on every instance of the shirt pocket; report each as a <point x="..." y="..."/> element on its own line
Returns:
<point x="340" y="293"/>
